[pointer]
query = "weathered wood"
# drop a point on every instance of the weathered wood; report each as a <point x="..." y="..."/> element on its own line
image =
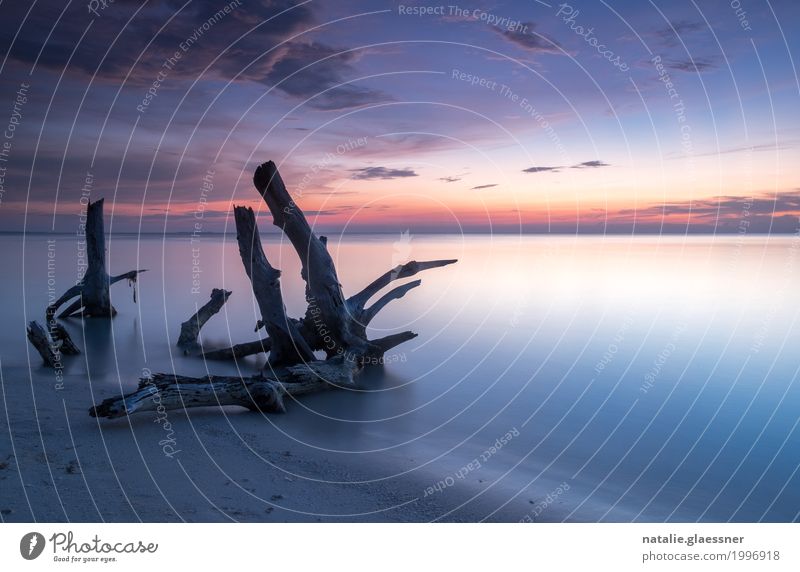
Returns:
<point x="382" y="345"/>
<point x="356" y="302"/>
<point x="39" y="339"/>
<point x="262" y="393"/>
<point x="131" y="276"/>
<point x="288" y="346"/>
<point x="323" y="290"/>
<point x="60" y="335"/>
<point x="94" y="286"/>
<point x="94" y="299"/>
<point x="331" y="323"/>
<point x="190" y="329"/>
<point x="68" y="295"/>
<point x="366" y="316"/>
<point x="239" y="350"/>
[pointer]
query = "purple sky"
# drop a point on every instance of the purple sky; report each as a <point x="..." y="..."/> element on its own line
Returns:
<point x="588" y="116"/>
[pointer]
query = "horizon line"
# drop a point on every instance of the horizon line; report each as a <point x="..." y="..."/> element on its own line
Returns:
<point x="232" y="234"/>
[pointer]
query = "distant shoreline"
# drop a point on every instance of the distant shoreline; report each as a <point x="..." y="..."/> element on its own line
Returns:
<point x="268" y="233"/>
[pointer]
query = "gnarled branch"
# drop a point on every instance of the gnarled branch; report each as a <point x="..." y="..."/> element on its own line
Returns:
<point x="356" y="302"/>
<point x="190" y="329"/>
<point x="382" y="345"/>
<point x="239" y="350"/>
<point x="288" y="346"/>
<point x="395" y="293"/>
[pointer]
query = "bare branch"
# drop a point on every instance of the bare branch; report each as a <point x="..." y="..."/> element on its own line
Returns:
<point x="382" y="345"/>
<point x="190" y="329"/>
<point x="239" y="350"/>
<point x="357" y="301"/>
<point x="72" y="310"/>
<point x="393" y="294"/>
<point x="70" y="293"/>
<point x="130" y="275"/>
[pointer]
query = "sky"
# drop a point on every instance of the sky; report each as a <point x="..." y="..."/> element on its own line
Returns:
<point x="593" y="116"/>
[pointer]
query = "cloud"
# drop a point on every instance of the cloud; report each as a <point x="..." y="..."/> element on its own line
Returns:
<point x="670" y="36"/>
<point x="397" y="143"/>
<point x="525" y="38"/>
<point x="685" y="26"/>
<point x="449" y="179"/>
<point x="199" y="27"/>
<point x="698" y="65"/>
<point x="773" y="146"/>
<point x="325" y="212"/>
<point x="759" y="213"/>
<point x="584" y="165"/>
<point x="590" y="165"/>
<point x="483" y="187"/>
<point x="371" y="173"/>
<point x="316" y="71"/>
<point x="540" y="169"/>
<point x="787" y="202"/>
<point x="246" y="43"/>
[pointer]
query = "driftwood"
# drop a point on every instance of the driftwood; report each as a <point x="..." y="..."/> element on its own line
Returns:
<point x="332" y="323"/>
<point x="190" y="329"/>
<point x="93" y="297"/>
<point x="51" y="345"/>
<point x="239" y="350"/>
<point x="355" y="305"/>
<point x="263" y="392"/>
<point x="61" y="337"/>
<point x="39" y="339"/>
<point x="288" y="346"/>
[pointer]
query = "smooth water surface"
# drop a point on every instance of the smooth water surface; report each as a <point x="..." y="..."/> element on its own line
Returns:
<point x="655" y="376"/>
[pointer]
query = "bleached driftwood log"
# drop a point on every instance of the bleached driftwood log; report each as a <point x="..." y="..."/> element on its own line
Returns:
<point x="264" y="392"/>
<point x="239" y="350"/>
<point x="39" y="339"/>
<point x="60" y="336"/>
<point x="332" y="323"/>
<point x="94" y="299"/>
<point x="190" y="329"/>
<point x="53" y="344"/>
<point x="288" y="346"/>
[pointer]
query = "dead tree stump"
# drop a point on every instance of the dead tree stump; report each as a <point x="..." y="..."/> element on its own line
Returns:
<point x="93" y="297"/>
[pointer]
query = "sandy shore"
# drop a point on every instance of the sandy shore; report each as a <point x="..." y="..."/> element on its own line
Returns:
<point x="59" y="464"/>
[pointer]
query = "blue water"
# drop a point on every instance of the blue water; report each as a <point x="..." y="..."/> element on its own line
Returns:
<point x="655" y="377"/>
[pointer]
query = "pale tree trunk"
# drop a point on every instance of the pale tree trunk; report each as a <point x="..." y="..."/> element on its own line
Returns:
<point x="288" y="346"/>
<point x="93" y="297"/>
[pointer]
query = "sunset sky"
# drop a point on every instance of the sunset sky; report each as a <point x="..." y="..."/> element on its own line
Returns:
<point x="384" y="116"/>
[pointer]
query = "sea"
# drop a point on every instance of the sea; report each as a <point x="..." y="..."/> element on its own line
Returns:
<point x="577" y="378"/>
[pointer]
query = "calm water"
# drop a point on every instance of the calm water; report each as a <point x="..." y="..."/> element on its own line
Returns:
<point x="655" y="376"/>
